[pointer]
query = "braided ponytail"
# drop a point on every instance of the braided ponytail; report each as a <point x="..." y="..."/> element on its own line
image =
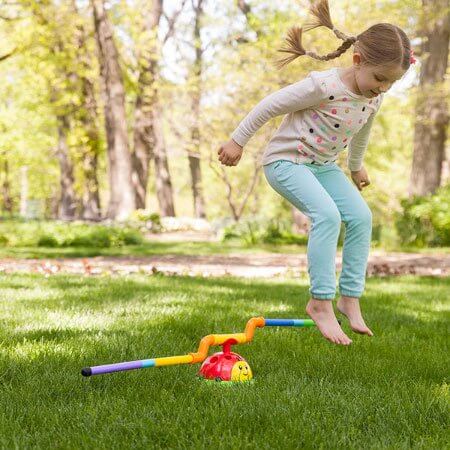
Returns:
<point x="294" y="41"/>
<point x="320" y="12"/>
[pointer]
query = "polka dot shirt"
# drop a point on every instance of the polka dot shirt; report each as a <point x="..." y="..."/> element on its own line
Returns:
<point x="323" y="118"/>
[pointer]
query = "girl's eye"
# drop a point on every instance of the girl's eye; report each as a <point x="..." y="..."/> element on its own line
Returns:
<point x="376" y="78"/>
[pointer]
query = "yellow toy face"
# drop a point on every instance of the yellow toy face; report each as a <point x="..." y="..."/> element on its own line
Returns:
<point x="241" y="372"/>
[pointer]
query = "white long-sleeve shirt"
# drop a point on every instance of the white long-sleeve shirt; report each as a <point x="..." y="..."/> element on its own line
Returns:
<point x="323" y="117"/>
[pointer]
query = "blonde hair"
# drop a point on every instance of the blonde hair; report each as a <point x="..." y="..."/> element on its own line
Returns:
<point x="381" y="44"/>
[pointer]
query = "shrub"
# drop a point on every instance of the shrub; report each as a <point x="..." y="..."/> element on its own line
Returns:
<point x="98" y="238"/>
<point x="47" y="240"/>
<point x="3" y="240"/>
<point x="274" y="231"/>
<point x="229" y="233"/>
<point x="131" y="237"/>
<point x="425" y="220"/>
<point x="152" y="220"/>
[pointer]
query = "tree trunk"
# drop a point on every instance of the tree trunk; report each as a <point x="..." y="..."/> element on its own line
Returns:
<point x="67" y="206"/>
<point x="91" y="209"/>
<point x="431" y="108"/>
<point x="163" y="181"/>
<point x="194" y="150"/>
<point x="196" y="184"/>
<point x="144" y="136"/>
<point x="148" y="126"/>
<point x="91" y="198"/>
<point x="122" y="200"/>
<point x="143" y="149"/>
<point x="6" y="189"/>
<point x="23" y="191"/>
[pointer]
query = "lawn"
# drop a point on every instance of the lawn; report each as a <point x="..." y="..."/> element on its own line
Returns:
<point x="389" y="391"/>
<point x="183" y="248"/>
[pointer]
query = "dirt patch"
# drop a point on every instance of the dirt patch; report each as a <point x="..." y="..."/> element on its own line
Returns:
<point x="265" y="266"/>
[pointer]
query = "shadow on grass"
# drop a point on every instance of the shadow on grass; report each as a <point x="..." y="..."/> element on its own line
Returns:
<point x="234" y="296"/>
<point x="148" y="249"/>
<point x="195" y="307"/>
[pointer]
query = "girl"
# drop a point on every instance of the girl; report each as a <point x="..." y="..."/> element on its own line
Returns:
<point x="327" y="112"/>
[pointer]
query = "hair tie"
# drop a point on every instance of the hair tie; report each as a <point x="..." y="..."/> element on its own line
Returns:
<point x="412" y="60"/>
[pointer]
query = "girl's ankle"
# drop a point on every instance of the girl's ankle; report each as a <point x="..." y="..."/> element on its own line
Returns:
<point x="349" y="299"/>
<point x="320" y="304"/>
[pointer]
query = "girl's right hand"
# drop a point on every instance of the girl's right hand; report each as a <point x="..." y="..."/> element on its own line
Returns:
<point x="230" y="153"/>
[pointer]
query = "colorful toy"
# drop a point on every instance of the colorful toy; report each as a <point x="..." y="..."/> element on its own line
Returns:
<point x="226" y="365"/>
<point x="221" y="366"/>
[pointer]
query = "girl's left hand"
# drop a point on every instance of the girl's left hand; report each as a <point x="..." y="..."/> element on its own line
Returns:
<point x="360" y="178"/>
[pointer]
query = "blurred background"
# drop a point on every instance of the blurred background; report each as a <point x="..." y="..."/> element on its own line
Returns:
<point x="113" y="112"/>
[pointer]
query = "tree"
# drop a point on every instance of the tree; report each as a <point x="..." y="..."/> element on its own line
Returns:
<point x="122" y="200"/>
<point x="237" y="205"/>
<point x="194" y="148"/>
<point x="6" y="187"/>
<point x="431" y="108"/>
<point x="87" y="114"/>
<point x="148" y="131"/>
<point x="60" y="80"/>
<point x="56" y="41"/>
<point x="67" y="207"/>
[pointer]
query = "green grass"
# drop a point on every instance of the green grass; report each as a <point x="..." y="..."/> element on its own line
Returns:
<point x="390" y="391"/>
<point x="149" y="249"/>
<point x="177" y="248"/>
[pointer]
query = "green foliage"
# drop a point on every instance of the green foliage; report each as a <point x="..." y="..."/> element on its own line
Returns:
<point x="425" y="221"/>
<point x="152" y="220"/>
<point x="130" y="237"/>
<point x="39" y="82"/>
<point x="252" y="232"/>
<point x="47" y="240"/>
<point x="99" y="237"/>
<point x="276" y="231"/>
<point x="104" y="237"/>
<point x="61" y="234"/>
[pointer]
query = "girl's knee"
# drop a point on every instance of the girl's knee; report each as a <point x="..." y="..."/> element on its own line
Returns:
<point x="362" y="217"/>
<point x="331" y="217"/>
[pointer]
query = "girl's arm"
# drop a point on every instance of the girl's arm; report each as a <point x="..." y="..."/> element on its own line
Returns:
<point x="297" y="96"/>
<point x="358" y="144"/>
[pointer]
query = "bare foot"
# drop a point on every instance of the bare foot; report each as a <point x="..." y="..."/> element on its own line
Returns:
<point x="321" y="311"/>
<point x="349" y="306"/>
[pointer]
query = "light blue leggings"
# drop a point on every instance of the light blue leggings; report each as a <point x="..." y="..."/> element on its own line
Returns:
<point x="327" y="197"/>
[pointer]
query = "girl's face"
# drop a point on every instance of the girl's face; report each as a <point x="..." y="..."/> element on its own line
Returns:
<point x="372" y="80"/>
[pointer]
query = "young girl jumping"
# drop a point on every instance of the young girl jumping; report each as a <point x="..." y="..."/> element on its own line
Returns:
<point x="327" y="112"/>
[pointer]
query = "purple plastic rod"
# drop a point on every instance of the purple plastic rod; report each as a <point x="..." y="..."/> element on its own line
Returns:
<point x="117" y="367"/>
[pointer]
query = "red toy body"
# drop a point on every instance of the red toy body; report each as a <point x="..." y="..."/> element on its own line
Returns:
<point x="226" y="366"/>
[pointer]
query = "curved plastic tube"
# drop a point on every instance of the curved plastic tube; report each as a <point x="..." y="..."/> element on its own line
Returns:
<point x="202" y="352"/>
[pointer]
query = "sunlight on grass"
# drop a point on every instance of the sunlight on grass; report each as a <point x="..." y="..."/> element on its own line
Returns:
<point x="75" y="320"/>
<point x="407" y="284"/>
<point x="29" y="294"/>
<point x="443" y="391"/>
<point x="31" y="351"/>
<point x="149" y="309"/>
<point x="278" y="307"/>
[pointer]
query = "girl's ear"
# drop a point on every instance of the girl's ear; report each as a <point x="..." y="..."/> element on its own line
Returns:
<point x="356" y="58"/>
